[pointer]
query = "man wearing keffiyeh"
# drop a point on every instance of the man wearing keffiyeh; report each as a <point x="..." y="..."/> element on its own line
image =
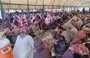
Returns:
<point x="76" y="46"/>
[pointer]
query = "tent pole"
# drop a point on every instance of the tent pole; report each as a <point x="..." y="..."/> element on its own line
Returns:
<point x="63" y="8"/>
<point x="43" y="7"/>
<point x="89" y="9"/>
<point x="2" y="10"/>
<point x="28" y="6"/>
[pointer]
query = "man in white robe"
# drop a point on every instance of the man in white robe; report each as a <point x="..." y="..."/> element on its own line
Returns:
<point x="70" y="31"/>
<point x="24" y="46"/>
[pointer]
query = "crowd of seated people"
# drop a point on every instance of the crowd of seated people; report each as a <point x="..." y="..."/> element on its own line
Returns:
<point x="68" y="34"/>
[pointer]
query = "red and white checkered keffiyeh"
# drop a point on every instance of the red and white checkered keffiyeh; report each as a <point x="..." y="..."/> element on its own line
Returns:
<point x="80" y="49"/>
<point x="80" y="35"/>
<point x="21" y="20"/>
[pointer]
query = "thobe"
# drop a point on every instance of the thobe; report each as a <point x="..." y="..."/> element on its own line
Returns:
<point x="69" y="33"/>
<point x="24" y="47"/>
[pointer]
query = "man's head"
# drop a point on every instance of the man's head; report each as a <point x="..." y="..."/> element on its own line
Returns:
<point x="86" y="30"/>
<point x="23" y="32"/>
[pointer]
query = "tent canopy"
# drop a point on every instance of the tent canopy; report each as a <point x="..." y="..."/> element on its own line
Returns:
<point x="40" y="4"/>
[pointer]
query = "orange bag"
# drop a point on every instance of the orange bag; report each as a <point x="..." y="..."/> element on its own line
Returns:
<point x="6" y="52"/>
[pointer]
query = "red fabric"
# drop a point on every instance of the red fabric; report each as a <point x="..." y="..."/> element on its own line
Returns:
<point x="80" y="35"/>
<point x="21" y="20"/>
<point x="80" y="49"/>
